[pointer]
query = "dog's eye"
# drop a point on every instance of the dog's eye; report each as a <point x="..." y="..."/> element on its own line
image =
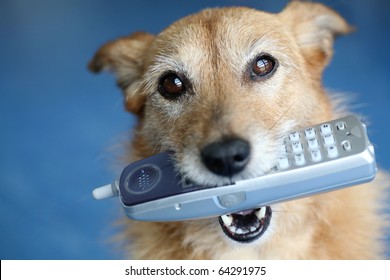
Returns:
<point x="262" y="66"/>
<point x="171" y="86"/>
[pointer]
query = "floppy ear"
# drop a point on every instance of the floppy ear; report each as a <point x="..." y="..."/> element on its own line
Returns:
<point x="315" y="27"/>
<point x="125" y="57"/>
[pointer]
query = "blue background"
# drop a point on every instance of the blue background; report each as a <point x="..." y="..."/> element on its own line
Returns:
<point x="60" y="125"/>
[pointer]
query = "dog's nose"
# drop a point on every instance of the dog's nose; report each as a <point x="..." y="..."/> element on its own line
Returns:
<point x="227" y="157"/>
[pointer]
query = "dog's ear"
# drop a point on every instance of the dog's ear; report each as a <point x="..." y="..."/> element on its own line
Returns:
<point x="315" y="27"/>
<point x="125" y="57"/>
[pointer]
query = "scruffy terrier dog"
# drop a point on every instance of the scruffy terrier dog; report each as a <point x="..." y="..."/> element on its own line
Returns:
<point x="237" y="80"/>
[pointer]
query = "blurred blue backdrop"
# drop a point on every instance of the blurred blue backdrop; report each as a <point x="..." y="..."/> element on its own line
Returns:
<point x="60" y="125"/>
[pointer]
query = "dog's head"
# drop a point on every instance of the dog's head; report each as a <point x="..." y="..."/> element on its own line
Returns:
<point x="222" y="87"/>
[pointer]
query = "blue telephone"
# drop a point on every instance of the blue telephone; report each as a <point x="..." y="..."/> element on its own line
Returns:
<point x="317" y="159"/>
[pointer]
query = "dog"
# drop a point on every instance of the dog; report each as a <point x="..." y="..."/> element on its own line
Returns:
<point x="222" y="88"/>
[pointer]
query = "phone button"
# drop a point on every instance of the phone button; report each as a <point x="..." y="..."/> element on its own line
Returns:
<point x="332" y="152"/>
<point x="283" y="163"/>
<point x="356" y="131"/>
<point x="294" y="136"/>
<point x="312" y="143"/>
<point x="341" y="126"/>
<point x="325" y="129"/>
<point x="316" y="155"/>
<point x="346" y="145"/>
<point x="329" y="139"/>
<point x="310" y="132"/>
<point x="230" y="200"/>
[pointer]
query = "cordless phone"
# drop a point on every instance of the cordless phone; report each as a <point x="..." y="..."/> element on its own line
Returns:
<point x="316" y="159"/>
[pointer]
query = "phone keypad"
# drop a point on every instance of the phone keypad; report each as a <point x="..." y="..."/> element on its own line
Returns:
<point x="313" y="145"/>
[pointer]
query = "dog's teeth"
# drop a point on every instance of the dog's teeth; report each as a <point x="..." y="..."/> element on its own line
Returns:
<point x="252" y="229"/>
<point x="239" y="231"/>
<point x="227" y="220"/>
<point x="261" y="213"/>
<point x="233" y="229"/>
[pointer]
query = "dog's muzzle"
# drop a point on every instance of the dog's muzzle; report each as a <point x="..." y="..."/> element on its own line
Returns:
<point x="227" y="158"/>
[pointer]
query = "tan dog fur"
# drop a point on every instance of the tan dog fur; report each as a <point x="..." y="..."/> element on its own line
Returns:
<point x="213" y="50"/>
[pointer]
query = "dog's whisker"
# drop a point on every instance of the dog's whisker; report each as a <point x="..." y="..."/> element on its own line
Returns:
<point x="285" y="211"/>
<point x="295" y="100"/>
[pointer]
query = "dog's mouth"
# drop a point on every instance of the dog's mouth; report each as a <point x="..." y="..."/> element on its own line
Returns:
<point x="246" y="226"/>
